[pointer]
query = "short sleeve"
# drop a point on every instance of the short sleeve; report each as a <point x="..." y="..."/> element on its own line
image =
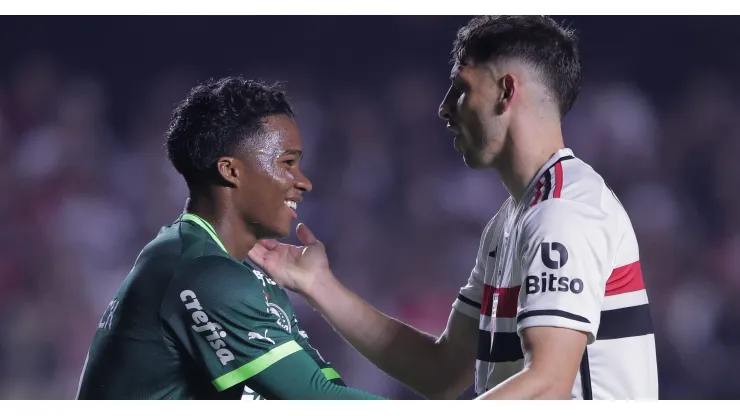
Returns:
<point x="468" y="300"/>
<point x="217" y="311"/>
<point x="326" y="367"/>
<point x="565" y="254"/>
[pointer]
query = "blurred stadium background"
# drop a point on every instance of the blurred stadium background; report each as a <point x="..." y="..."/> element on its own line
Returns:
<point x="84" y="182"/>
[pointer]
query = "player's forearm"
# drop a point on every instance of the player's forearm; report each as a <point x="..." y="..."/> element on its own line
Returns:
<point x="528" y="385"/>
<point x="406" y="354"/>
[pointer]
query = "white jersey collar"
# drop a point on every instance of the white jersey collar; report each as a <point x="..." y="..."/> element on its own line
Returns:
<point x="561" y="153"/>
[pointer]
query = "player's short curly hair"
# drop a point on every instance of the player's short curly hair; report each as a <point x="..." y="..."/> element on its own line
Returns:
<point x="537" y="40"/>
<point x="215" y="119"/>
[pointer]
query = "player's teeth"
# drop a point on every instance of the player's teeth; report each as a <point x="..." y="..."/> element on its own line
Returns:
<point x="292" y="204"/>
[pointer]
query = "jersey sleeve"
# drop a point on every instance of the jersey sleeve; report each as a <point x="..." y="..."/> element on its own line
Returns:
<point x="468" y="300"/>
<point x="326" y="367"/>
<point x="564" y="250"/>
<point x="216" y="312"/>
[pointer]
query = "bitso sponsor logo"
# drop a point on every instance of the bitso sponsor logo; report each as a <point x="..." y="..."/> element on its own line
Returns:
<point x="551" y="283"/>
<point x="546" y="250"/>
<point x="213" y="331"/>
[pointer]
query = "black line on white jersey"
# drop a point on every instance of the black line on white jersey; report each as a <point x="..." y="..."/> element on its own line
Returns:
<point x="586" y="390"/>
<point x="467" y="301"/>
<point x="552" y="312"/>
<point x="565" y="158"/>
<point x="548" y="185"/>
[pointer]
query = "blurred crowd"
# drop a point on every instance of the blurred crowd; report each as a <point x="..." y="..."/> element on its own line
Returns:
<point x="400" y="213"/>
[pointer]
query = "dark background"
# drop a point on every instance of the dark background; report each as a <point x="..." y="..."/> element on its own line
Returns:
<point x="84" y="182"/>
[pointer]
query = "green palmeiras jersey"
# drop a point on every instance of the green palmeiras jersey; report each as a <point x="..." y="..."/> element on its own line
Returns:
<point x="192" y="322"/>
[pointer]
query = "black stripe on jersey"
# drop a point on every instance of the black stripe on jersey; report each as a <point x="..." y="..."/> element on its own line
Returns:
<point x="484" y="345"/>
<point x="548" y="185"/>
<point x="465" y="300"/>
<point x="551" y="312"/>
<point x="548" y="177"/>
<point x="586" y="390"/>
<point x="506" y="347"/>
<point x="625" y="322"/>
<point x="564" y="158"/>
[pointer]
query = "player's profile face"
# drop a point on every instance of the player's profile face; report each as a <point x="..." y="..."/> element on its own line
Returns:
<point x="468" y="109"/>
<point x="274" y="183"/>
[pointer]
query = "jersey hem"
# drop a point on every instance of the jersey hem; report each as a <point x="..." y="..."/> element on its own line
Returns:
<point x="466" y="309"/>
<point x="559" y="322"/>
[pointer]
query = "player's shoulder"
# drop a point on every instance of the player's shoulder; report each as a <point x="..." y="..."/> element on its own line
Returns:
<point x="214" y="267"/>
<point x="573" y="193"/>
<point x="576" y="181"/>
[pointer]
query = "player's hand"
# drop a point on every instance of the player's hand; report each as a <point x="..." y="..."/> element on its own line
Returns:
<point x="293" y="267"/>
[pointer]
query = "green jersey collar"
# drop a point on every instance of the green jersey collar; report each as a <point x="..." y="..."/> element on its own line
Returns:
<point x="206" y="226"/>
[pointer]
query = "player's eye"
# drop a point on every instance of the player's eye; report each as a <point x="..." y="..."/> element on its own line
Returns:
<point x="291" y="162"/>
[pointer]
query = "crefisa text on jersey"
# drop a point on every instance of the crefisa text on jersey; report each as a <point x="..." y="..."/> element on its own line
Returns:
<point x="215" y="338"/>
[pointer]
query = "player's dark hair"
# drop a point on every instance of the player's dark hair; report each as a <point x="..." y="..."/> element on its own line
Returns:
<point x="215" y="119"/>
<point x="537" y="40"/>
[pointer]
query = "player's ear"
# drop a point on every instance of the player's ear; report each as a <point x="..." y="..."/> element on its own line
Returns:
<point x="229" y="170"/>
<point x="508" y="89"/>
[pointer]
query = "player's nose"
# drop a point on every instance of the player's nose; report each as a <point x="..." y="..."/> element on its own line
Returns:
<point x="444" y="111"/>
<point x="302" y="183"/>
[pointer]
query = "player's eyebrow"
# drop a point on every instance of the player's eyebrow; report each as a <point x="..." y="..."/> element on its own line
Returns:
<point x="297" y="153"/>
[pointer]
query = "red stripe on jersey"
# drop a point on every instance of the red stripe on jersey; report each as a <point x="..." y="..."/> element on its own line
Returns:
<point x="508" y="302"/>
<point x="558" y="180"/>
<point x="539" y="193"/>
<point x="486" y="305"/>
<point x="625" y="279"/>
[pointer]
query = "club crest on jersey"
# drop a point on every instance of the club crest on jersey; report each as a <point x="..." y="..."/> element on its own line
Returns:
<point x="282" y="318"/>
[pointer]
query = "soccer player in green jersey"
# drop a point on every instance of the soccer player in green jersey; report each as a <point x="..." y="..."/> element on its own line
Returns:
<point x="194" y="319"/>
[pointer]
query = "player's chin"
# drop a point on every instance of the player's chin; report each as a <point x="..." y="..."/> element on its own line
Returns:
<point x="473" y="160"/>
<point x="280" y="228"/>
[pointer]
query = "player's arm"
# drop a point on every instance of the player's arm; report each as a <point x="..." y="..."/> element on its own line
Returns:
<point x="564" y="254"/>
<point x="218" y="315"/>
<point x="436" y="367"/>
<point x="301" y="337"/>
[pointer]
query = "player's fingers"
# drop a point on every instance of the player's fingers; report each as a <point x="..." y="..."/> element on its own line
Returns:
<point x="257" y="251"/>
<point x="305" y="235"/>
<point x="257" y="257"/>
<point x="268" y="244"/>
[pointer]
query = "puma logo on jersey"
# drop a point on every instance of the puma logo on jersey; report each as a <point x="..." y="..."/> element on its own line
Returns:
<point x="254" y="335"/>
<point x="215" y="334"/>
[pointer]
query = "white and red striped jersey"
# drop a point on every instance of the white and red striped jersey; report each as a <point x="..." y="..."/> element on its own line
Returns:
<point x="564" y="256"/>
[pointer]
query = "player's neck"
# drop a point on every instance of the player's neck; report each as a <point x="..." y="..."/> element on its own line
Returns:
<point x="524" y="156"/>
<point x="235" y="236"/>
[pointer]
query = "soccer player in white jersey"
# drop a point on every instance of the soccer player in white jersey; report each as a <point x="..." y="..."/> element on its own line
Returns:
<point x="555" y="306"/>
